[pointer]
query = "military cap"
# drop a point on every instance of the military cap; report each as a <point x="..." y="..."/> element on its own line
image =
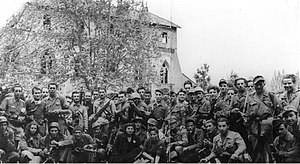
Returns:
<point x="288" y="109"/>
<point x="137" y="119"/>
<point x="3" y="119"/>
<point x="191" y="91"/>
<point x="276" y="123"/>
<point x="158" y="90"/>
<point x="54" y="125"/>
<point x="172" y="119"/>
<point x="190" y="120"/>
<point x="78" y="127"/>
<point x="198" y="89"/>
<point x="152" y="121"/>
<point x="222" y="81"/>
<point x="240" y="78"/>
<point x="181" y="90"/>
<point x="257" y="79"/>
<point x="165" y="91"/>
<point x="135" y="96"/>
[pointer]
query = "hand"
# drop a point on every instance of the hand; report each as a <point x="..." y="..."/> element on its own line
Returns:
<point x="54" y="142"/>
<point x="185" y="149"/>
<point x="234" y="156"/>
<point x="2" y="152"/>
<point x="152" y="160"/>
<point x="21" y="118"/>
<point x="204" y="160"/>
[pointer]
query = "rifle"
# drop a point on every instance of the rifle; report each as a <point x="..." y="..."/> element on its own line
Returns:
<point x="98" y="114"/>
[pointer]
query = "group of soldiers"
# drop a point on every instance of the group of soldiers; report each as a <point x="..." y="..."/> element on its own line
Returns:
<point x="231" y="122"/>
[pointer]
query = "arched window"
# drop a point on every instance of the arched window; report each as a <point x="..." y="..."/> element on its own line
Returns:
<point x="164" y="73"/>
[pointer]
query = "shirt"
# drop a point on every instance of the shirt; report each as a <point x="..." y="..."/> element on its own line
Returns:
<point x="12" y="106"/>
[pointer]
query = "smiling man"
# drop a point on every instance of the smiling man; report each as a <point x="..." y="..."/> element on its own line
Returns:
<point x="291" y="96"/>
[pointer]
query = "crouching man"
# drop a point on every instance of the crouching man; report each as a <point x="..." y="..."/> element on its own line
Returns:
<point x="8" y="152"/>
<point x="228" y="146"/>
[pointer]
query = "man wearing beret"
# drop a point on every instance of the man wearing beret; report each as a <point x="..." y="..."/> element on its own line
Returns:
<point x="262" y="106"/>
<point x="291" y="96"/>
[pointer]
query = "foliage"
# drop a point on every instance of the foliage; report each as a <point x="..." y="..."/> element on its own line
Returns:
<point x="201" y="76"/>
<point x="96" y="43"/>
<point x="276" y="82"/>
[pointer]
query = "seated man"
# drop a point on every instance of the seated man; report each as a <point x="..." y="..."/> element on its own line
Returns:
<point x="52" y="145"/>
<point x="8" y="152"/>
<point x="30" y="144"/>
<point x="286" y="147"/>
<point x="228" y="146"/>
<point x="195" y="141"/>
<point x="100" y="137"/>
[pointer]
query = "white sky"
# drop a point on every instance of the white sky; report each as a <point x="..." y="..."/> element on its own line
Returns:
<point x="249" y="37"/>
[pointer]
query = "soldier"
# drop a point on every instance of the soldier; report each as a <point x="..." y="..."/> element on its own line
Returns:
<point x="147" y="98"/>
<point x="45" y="92"/>
<point x="36" y="110"/>
<point x="30" y="144"/>
<point x="152" y="125"/>
<point x="139" y="129"/>
<point x="227" y="146"/>
<point x="141" y="91"/>
<point x="195" y="142"/>
<point x="211" y="131"/>
<point x="79" y="112"/>
<point x="218" y="106"/>
<point x="286" y="147"/>
<point x="137" y="107"/>
<point x="14" y="108"/>
<point x="122" y="109"/>
<point x="223" y="89"/>
<point x="250" y="86"/>
<point x="291" y="96"/>
<point x="100" y="136"/>
<point x="88" y="103"/>
<point x="290" y="115"/>
<point x="180" y="111"/>
<point x="57" y="109"/>
<point x="187" y="85"/>
<point x="238" y="100"/>
<point x="106" y="103"/>
<point x="261" y="107"/>
<point x="95" y="95"/>
<point x="159" y="108"/>
<point x="8" y="152"/>
<point x="176" y="139"/>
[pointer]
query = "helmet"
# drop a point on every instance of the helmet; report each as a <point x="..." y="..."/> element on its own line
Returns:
<point x="99" y="122"/>
<point x="54" y="124"/>
<point x="3" y="119"/>
<point x="288" y="109"/>
<point x="198" y="89"/>
<point x="135" y="96"/>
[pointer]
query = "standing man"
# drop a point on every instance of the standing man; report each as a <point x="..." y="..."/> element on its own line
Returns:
<point x="88" y="103"/>
<point x="56" y="108"/>
<point x="223" y="89"/>
<point x="261" y="108"/>
<point x="79" y="112"/>
<point x="291" y="96"/>
<point x="141" y="91"/>
<point x="14" y="108"/>
<point x="160" y="108"/>
<point x="122" y="109"/>
<point x="180" y="110"/>
<point x="45" y="92"/>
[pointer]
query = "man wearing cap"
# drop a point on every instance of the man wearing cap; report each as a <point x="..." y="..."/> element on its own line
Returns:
<point x="291" y="96"/>
<point x="137" y="108"/>
<point x="159" y="108"/>
<point x="291" y="117"/>
<point x="176" y="138"/>
<point x="201" y="107"/>
<point x="262" y="106"/>
<point x="79" y="112"/>
<point x="8" y="152"/>
<point x="285" y="145"/>
<point x="218" y="106"/>
<point x="122" y="108"/>
<point x="152" y="125"/>
<point x="180" y="110"/>
<point x="53" y="141"/>
<point x="103" y="102"/>
<point x="195" y="141"/>
<point x="100" y="137"/>
<point x="14" y="108"/>
<point x="140" y="132"/>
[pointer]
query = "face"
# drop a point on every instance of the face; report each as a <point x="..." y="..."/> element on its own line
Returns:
<point x="54" y="132"/>
<point x="223" y="87"/>
<point x="102" y="93"/>
<point x="213" y="93"/>
<point x="230" y="93"/>
<point x="199" y="95"/>
<point x="138" y="124"/>
<point x="95" y="95"/>
<point x="141" y="92"/>
<point x="76" y="97"/>
<point x="88" y="96"/>
<point x="3" y="127"/>
<point x="181" y="96"/>
<point x="151" y="127"/>
<point x="17" y="92"/>
<point x="173" y="97"/>
<point x="207" y="96"/>
<point x="223" y="127"/>
<point x="97" y="130"/>
<point x="259" y="86"/>
<point x="240" y="85"/>
<point x="158" y="96"/>
<point x="69" y="101"/>
<point x="78" y="134"/>
<point x="209" y="127"/>
<point x="187" y="87"/>
<point x="52" y="89"/>
<point x="250" y="86"/>
<point x="173" y="125"/>
<point x="136" y="100"/>
<point x="190" y="127"/>
<point x="33" y="129"/>
<point x="147" y="96"/>
<point x="282" y="131"/>
<point x="288" y="84"/>
<point x="45" y="92"/>
<point x="37" y="94"/>
<point x="122" y="97"/>
<point x="291" y="118"/>
<point x="129" y="130"/>
<point x="153" y="135"/>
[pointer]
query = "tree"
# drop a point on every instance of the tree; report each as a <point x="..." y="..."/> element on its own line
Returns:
<point x="233" y="76"/>
<point x="94" y="42"/>
<point x="276" y="82"/>
<point x="201" y="76"/>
